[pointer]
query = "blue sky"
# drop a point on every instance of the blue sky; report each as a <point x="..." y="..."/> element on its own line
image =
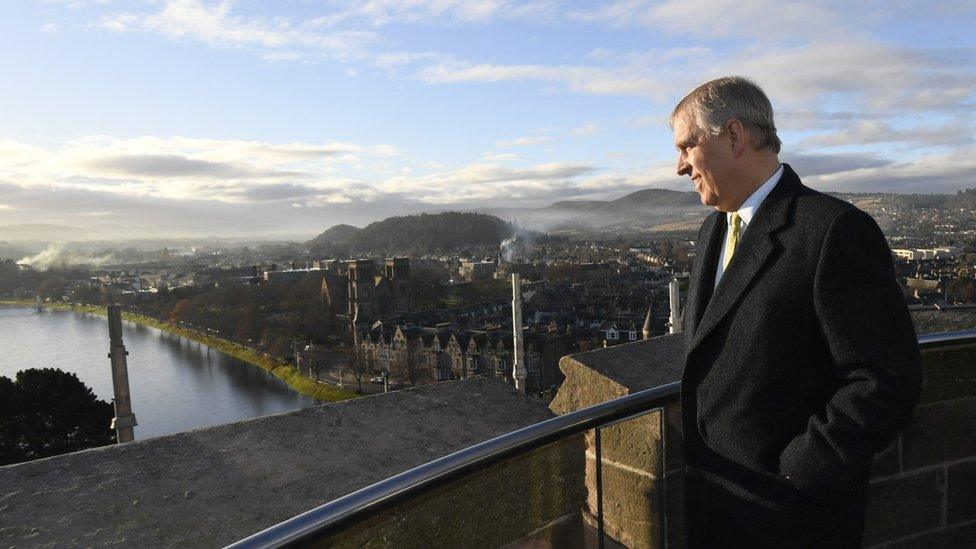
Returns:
<point x="241" y="117"/>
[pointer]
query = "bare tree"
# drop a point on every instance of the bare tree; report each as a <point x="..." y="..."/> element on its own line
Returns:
<point x="357" y="365"/>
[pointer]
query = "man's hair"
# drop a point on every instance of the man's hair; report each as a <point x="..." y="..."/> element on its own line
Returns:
<point x="712" y="104"/>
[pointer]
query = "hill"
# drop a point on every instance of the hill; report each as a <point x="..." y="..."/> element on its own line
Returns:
<point x="658" y="198"/>
<point x="334" y="235"/>
<point x="423" y="233"/>
<point x="643" y="209"/>
<point x="9" y="251"/>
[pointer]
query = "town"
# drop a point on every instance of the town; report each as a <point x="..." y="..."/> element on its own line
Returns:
<point x="382" y="321"/>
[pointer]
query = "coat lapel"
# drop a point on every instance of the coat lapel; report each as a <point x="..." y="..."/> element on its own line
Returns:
<point x="703" y="272"/>
<point x="755" y="249"/>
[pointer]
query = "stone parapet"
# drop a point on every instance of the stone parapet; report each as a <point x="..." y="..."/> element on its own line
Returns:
<point x="641" y="467"/>
<point x="923" y="487"/>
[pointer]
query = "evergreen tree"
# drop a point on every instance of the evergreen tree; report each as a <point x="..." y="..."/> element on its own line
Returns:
<point x="46" y="412"/>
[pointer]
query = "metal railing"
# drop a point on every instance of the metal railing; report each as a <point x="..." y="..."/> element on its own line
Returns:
<point x="337" y="515"/>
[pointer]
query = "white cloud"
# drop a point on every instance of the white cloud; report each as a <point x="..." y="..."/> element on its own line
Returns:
<point x="875" y="76"/>
<point x="186" y="168"/>
<point x="487" y="183"/>
<point x="216" y="26"/>
<point x="385" y="12"/>
<point x="497" y="157"/>
<point x="585" y="79"/>
<point x="586" y="130"/>
<point x="761" y="19"/>
<point x="524" y="141"/>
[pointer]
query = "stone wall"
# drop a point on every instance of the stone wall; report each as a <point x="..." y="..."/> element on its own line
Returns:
<point x="923" y="488"/>
<point x="489" y="508"/>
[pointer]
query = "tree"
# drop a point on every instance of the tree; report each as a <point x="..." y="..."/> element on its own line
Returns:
<point x="180" y="310"/>
<point x="357" y="367"/>
<point x="962" y="290"/>
<point x="47" y="412"/>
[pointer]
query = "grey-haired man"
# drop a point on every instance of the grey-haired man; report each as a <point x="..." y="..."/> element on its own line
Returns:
<point x="801" y="356"/>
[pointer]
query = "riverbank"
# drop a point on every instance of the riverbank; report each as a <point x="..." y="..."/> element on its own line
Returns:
<point x="280" y="369"/>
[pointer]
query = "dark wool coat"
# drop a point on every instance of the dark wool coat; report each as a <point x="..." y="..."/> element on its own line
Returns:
<point x="800" y="365"/>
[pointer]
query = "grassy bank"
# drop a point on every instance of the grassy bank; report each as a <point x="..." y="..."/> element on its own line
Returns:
<point x="280" y="369"/>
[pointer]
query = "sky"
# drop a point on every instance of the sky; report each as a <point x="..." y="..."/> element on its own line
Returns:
<point x="251" y="118"/>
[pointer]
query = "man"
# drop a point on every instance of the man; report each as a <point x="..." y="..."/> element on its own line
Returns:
<point x="801" y="361"/>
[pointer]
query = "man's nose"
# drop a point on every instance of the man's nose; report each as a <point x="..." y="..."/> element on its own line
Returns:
<point x="684" y="168"/>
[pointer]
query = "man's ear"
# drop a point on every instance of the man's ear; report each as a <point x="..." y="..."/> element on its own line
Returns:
<point x="736" y="133"/>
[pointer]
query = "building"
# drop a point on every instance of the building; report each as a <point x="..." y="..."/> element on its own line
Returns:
<point x="477" y="270"/>
<point x="355" y="288"/>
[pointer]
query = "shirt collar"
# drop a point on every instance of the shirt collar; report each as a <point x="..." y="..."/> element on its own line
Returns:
<point x="749" y="207"/>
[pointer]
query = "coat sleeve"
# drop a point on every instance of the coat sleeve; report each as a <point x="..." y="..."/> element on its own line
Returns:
<point x="874" y="358"/>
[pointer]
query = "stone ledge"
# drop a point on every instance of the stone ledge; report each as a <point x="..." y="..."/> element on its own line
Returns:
<point x="213" y="486"/>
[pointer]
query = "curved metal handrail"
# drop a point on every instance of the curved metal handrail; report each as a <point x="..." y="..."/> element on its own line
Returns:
<point x="320" y="522"/>
<point x="945" y="339"/>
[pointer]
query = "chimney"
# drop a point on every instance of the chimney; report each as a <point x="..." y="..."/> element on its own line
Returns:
<point x="519" y="373"/>
<point x="647" y="324"/>
<point x="675" y="320"/>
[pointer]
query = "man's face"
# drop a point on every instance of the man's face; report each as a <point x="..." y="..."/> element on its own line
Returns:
<point x="704" y="159"/>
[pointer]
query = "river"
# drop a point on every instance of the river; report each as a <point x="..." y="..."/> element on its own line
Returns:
<point x="176" y="384"/>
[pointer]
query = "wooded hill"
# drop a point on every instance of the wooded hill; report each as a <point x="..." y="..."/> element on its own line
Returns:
<point x="423" y="233"/>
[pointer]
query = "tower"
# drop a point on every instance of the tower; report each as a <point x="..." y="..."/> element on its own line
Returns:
<point x="361" y="282"/>
<point x="397" y="272"/>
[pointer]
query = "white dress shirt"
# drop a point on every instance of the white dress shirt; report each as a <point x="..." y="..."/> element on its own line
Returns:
<point x="745" y="211"/>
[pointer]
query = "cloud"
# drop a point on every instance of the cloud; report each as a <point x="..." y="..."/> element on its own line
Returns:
<point x="809" y="165"/>
<point x="721" y="18"/>
<point x="284" y="191"/>
<point x="937" y="173"/>
<point x="524" y="141"/>
<point x="187" y="168"/>
<point x="385" y="12"/>
<point x="875" y="131"/>
<point x="586" y="130"/>
<point x="874" y="76"/>
<point x="169" y="166"/>
<point x="496" y="157"/>
<point x="480" y="183"/>
<point x="585" y="79"/>
<point x="216" y="26"/>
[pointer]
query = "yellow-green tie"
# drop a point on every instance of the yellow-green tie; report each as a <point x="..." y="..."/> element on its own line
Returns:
<point x="733" y="239"/>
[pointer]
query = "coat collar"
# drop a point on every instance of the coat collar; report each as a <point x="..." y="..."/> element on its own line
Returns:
<point x="756" y="248"/>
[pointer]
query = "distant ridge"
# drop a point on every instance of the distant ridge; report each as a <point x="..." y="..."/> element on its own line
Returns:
<point x="45" y="232"/>
<point x="9" y="251"/>
<point x="640" y="209"/>
<point x="422" y="233"/>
